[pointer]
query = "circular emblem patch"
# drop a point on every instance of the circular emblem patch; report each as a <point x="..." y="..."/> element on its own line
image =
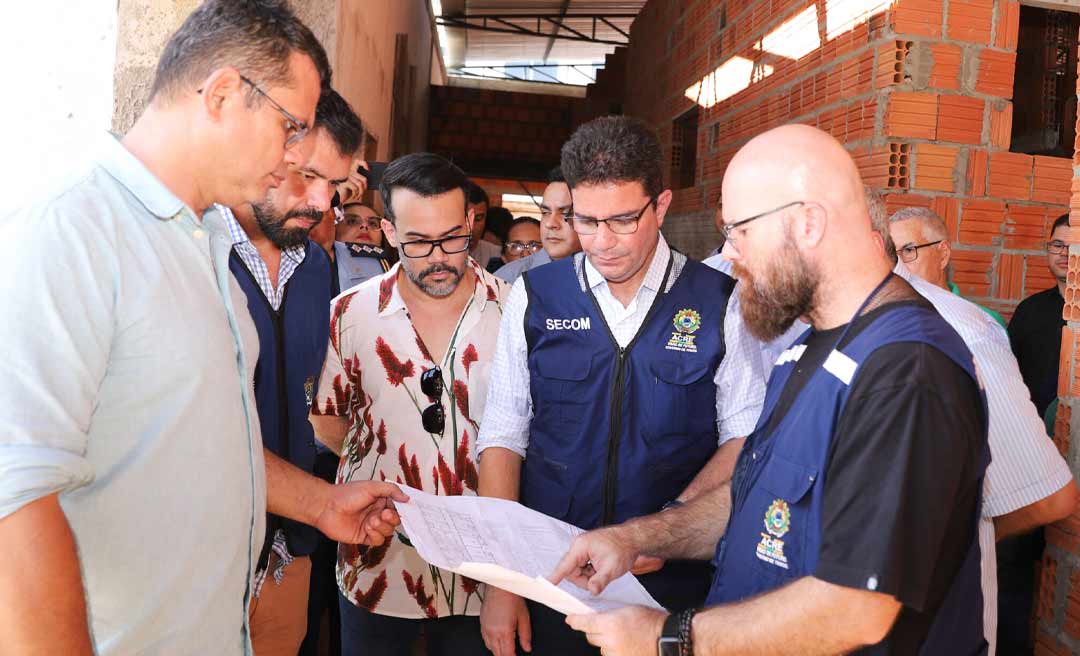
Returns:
<point x="778" y="518"/>
<point x="687" y="321"/>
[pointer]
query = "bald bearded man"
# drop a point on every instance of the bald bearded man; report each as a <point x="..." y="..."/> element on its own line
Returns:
<point x="850" y="522"/>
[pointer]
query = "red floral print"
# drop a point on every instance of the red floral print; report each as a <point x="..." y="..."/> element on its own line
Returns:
<point x="463" y="464"/>
<point x="396" y="370"/>
<point x="370" y="599"/>
<point x="469" y="357"/>
<point x="410" y="469"/>
<point x="386" y="290"/>
<point x="416" y="589"/>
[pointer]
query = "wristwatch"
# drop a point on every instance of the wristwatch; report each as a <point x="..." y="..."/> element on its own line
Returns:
<point x="669" y="643"/>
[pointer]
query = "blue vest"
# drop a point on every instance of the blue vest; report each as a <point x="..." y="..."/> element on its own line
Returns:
<point x="618" y="432"/>
<point x="774" y="535"/>
<point x="292" y="347"/>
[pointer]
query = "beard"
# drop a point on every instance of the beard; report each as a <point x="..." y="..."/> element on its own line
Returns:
<point x="437" y="289"/>
<point x="785" y="292"/>
<point x="273" y="224"/>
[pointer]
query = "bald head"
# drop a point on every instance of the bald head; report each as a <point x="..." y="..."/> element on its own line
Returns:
<point x="811" y="204"/>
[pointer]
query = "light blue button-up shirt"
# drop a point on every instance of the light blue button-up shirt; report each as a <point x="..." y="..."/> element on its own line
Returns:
<point x="127" y="354"/>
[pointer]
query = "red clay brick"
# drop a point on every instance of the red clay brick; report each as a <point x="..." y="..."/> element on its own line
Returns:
<point x="935" y="166"/>
<point x="1010" y="175"/>
<point x="1052" y="178"/>
<point x="1010" y="276"/>
<point x="981" y="223"/>
<point x="918" y="17"/>
<point x="971" y="270"/>
<point x="949" y="211"/>
<point x="978" y="162"/>
<point x="1001" y="125"/>
<point x="996" y="73"/>
<point x="1008" y="25"/>
<point x="912" y="115"/>
<point x="1062" y="422"/>
<point x="1025" y="226"/>
<point x="946" y="71"/>
<point x="970" y="20"/>
<point x="960" y="119"/>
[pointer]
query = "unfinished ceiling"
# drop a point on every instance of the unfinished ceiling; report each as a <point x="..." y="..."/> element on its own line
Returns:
<point x="534" y="31"/>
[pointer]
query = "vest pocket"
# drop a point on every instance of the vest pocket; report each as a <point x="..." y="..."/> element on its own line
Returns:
<point x="562" y="395"/>
<point x="545" y="485"/>
<point x="781" y="499"/>
<point x="682" y="408"/>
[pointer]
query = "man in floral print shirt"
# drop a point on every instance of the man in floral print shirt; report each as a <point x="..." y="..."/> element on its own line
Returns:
<point x="408" y="352"/>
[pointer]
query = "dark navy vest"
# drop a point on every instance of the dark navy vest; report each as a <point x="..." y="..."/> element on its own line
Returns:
<point x="774" y="535"/>
<point x="292" y="347"/>
<point x="618" y="432"/>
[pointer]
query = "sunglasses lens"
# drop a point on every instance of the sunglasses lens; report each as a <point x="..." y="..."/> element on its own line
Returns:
<point x="434" y="418"/>
<point x="431" y="383"/>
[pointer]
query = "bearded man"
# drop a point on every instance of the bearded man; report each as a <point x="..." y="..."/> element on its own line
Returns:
<point x="850" y="523"/>
<point x="287" y="280"/>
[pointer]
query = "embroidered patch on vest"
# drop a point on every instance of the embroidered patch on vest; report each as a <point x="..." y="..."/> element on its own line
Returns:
<point x="309" y="390"/>
<point x="791" y="355"/>
<point x="777" y="524"/>
<point x="686" y="323"/>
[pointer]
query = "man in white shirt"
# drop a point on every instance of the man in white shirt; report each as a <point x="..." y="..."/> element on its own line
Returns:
<point x="617" y="374"/>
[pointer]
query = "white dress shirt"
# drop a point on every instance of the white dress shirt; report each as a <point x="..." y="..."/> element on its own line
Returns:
<point x="740" y="384"/>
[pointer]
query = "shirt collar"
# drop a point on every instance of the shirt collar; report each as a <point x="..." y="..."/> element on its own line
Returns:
<point x="239" y="236"/>
<point x="136" y="178"/>
<point x="654" y="276"/>
<point x="483" y="292"/>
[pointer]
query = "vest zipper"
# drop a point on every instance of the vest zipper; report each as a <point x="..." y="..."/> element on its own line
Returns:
<point x="611" y="475"/>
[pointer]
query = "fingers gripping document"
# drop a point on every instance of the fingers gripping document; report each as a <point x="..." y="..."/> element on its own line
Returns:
<point x="509" y="546"/>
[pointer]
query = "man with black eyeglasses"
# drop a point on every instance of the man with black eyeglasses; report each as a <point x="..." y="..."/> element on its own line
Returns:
<point x="556" y="234"/>
<point x="400" y="399"/>
<point x="617" y="376"/>
<point x="922" y="244"/>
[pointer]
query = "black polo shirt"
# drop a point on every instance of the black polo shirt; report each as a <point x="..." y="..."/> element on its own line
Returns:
<point x="1035" y="336"/>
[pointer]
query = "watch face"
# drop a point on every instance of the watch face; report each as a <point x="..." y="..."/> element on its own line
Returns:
<point x="667" y="646"/>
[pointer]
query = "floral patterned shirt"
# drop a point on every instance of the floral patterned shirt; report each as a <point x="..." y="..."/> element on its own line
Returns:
<point x="372" y="378"/>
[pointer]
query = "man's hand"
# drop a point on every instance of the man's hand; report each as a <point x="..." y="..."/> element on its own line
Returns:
<point x="361" y="513"/>
<point x="353" y="188"/>
<point x="597" y="558"/>
<point x="630" y="631"/>
<point x="502" y="615"/>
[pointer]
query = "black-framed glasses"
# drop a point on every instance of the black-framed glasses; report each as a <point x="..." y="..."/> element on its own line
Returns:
<point x="297" y="129"/>
<point x="729" y="228"/>
<point x="1057" y="247"/>
<point x="425" y="247"/>
<point x="434" y="416"/>
<point x="519" y="247"/>
<point x="620" y="225"/>
<point x="910" y="253"/>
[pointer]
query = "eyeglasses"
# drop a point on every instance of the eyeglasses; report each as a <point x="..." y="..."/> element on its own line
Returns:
<point x="519" y="247"/>
<point x="425" y="247"/>
<point x="729" y="228"/>
<point x="434" y="416"/>
<point x="373" y="224"/>
<point x="297" y="129"/>
<point x="1057" y="247"/>
<point x="910" y="253"/>
<point x="620" y="225"/>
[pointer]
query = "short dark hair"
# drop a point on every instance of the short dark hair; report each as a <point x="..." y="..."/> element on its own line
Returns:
<point x="1062" y="220"/>
<point x="255" y="36"/>
<point x="555" y="175"/>
<point x="614" y="149"/>
<point x="476" y="194"/>
<point x="498" y="221"/>
<point x="426" y="174"/>
<point x="335" y="115"/>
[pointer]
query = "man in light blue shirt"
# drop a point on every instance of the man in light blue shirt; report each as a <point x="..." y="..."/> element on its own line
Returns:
<point x="133" y="482"/>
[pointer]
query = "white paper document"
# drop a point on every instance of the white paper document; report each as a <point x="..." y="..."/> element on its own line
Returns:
<point x="507" y="545"/>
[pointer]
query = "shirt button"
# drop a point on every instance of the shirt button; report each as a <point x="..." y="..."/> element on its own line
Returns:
<point x="198" y="234"/>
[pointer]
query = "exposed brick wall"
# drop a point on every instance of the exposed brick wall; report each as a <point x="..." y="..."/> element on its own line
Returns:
<point x="501" y="133"/>
<point x="918" y="90"/>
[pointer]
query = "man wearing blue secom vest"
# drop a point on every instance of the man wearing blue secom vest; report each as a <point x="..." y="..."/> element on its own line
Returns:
<point x="850" y="521"/>
<point x="617" y="374"/>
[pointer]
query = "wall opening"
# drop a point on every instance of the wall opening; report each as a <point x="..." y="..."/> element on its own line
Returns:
<point x="1044" y="87"/>
<point x="684" y="136"/>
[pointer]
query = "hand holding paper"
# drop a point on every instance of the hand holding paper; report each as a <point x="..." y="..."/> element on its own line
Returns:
<point x="504" y="544"/>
